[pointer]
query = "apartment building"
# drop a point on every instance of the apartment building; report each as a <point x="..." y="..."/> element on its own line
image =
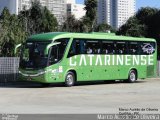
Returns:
<point x="57" y="7"/>
<point x="75" y="9"/>
<point x="115" y="12"/>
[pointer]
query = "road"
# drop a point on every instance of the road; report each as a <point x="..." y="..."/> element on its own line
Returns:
<point x="84" y="98"/>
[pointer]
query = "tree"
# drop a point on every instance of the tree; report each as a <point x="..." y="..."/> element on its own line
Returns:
<point x="49" y="22"/>
<point x="90" y="17"/>
<point x="12" y="33"/>
<point x="38" y="19"/>
<point x="132" y="28"/>
<point x="71" y="24"/>
<point x="15" y="29"/>
<point x="145" y="23"/>
<point x="104" y="28"/>
<point x="145" y="14"/>
<point x="141" y="24"/>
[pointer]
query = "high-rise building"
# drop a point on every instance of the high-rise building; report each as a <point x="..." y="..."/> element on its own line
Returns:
<point x="57" y="7"/>
<point x="115" y="12"/>
<point x="75" y="9"/>
<point x="103" y="9"/>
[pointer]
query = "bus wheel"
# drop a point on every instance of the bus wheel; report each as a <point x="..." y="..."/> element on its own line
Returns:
<point x="70" y="79"/>
<point x="132" y="77"/>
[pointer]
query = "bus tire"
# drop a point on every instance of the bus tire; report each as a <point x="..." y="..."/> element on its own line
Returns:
<point x="132" y="76"/>
<point x="70" y="79"/>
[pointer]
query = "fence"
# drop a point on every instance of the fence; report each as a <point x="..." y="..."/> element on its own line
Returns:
<point x="8" y="69"/>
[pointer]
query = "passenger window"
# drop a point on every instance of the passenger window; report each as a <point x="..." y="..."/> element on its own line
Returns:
<point x="62" y="46"/>
<point x="133" y="48"/>
<point x="93" y="47"/>
<point x="77" y="47"/>
<point x="108" y="47"/>
<point x="147" y="48"/>
<point x="121" y="48"/>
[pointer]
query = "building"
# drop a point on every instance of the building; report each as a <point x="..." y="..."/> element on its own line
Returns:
<point x="115" y="12"/>
<point x="75" y="9"/>
<point x="57" y="7"/>
<point x="71" y="2"/>
<point x="103" y="9"/>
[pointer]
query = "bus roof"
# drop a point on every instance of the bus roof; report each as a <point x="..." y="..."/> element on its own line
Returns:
<point x="94" y="35"/>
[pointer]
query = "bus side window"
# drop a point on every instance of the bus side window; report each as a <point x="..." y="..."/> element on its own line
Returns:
<point x="121" y="48"/>
<point x="54" y="55"/>
<point x="133" y="48"/>
<point x="108" y="47"/>
<point x="62" y="47"/>
<point x="93" y="47"/>
<point x="82" y="46"/>
<point x="72" y="50"/>
<point x="147" y="48"/>
<point x="77" y="47"/>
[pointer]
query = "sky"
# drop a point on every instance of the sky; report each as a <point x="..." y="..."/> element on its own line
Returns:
<point x="139" y="3"/>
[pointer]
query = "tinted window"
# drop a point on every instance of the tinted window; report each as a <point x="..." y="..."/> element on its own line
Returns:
<point x="32" y="55"/>
<point x="133" y="48"/>
<point x="57" y="51"/>
<point x="62" y="46"/>
<point x="108" y="47"/>
<point x="121" y="47"/>
<point x="77" y="47"/>
<point x="147" y="48"/>
<point x="83" y="46"/>
<point x="93" y="47"/>
<point x="141" y="48"/>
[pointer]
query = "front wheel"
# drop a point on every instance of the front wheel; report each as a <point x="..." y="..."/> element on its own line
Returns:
<point x="132" y="77"/>
<point x="70" y="79"/>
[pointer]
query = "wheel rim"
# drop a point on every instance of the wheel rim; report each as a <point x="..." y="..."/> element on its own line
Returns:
<point x="132" y="76"/>
<point x="69" y="79"/>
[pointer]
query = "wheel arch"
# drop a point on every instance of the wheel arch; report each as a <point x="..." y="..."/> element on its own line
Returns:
<point x="74" y="72"/>
<point x="134" y="70"/>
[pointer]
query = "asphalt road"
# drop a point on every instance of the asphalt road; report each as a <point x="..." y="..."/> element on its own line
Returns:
<point x="26" y="98"/>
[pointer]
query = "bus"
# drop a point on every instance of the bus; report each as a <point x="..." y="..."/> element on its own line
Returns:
<point x="72" y="57"/>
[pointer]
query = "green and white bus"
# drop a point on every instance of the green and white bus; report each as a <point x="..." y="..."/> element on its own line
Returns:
<point x="71" y="57"/>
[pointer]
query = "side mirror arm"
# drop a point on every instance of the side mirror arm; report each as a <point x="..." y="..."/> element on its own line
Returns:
<point x="17" y="46"/>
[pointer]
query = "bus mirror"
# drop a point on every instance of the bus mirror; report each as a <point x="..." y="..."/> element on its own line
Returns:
<point x="15" y="50"/>
<point x="49" y="46"/>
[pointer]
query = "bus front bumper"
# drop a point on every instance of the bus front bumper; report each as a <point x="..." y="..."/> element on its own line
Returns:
<point x="38" y="77"/>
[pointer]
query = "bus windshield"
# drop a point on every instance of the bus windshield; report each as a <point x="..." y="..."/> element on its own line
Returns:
<point x="32" y="55"/>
